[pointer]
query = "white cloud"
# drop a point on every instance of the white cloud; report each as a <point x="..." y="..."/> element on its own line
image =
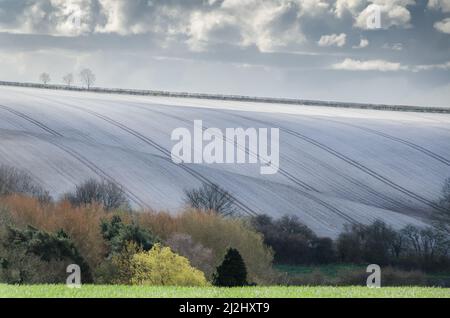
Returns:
<point x="53" y="17"/>
<point x="269" y="25"/>
<point x="362" y="44"/>
<point x="430" y="67"/>
<point x="333" y="40"/>
<point x="313" y="7"/>
<point x="385" y="66"/>
<point x="443" y="5"/>
<point x="369" y="65"/>
<point x="205" y="28"/>
<point x="392" y="13"/>
<point x="352" y="6"/>
<point x="443" y="26"/>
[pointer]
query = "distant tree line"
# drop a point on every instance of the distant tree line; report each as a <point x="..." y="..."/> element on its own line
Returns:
<point x="412" y="247"/>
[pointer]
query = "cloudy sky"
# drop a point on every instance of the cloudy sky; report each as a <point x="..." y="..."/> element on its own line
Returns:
<point x="314" y="49"/>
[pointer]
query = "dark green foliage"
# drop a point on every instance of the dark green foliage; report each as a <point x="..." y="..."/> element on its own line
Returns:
<point x="293" y="242"/>
<point x="30" y="253"/>
<point x="375" y="243"/>
<point x="441" y="217"/>
<point x="412" y="247"/>
<point x="232" y="272"/>
<point x="118" y="234"/>
<point x="322" y="250"/>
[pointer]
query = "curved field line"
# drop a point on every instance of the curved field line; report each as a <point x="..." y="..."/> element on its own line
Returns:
<point x="395" y="203"/>
<point x="150" y="142"/>
<point x="92" y="166"/>
<point x="306" y="194"/>
<point x="396" y="139"/>
<point x="247" y="151"/>
<point x="353" y="163"/>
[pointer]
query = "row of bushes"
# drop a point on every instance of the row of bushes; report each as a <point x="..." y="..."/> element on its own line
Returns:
<point x="96" y="237"/>
<point x="377" y="243"/>
<point x="95" y="227"/>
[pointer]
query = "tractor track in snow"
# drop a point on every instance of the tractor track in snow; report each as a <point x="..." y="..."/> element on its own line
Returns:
<point x="86" y="162"/>
<point x="283" y="172"/>
<point x="394" y="203"/>
<point x="396" y="139"/>
<point x="293" y="179"/>
<point x="352" y="162"/>
<point x="164" y="151"/>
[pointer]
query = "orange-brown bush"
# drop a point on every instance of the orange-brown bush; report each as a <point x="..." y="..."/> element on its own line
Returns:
<point x="81" y="224"/>
<point x="217" y="233"/>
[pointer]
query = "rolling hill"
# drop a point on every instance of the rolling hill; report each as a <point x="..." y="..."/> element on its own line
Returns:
<point x="337" y="165"/>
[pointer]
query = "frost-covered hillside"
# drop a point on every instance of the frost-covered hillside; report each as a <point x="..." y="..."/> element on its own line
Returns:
<point x="336" y="165"/>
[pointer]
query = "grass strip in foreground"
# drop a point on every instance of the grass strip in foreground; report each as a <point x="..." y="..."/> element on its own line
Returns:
<point x="120" y="291"/>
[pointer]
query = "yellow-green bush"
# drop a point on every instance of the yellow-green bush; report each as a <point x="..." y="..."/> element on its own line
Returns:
<point x="160" y="266"/>
<point x="217" y="233"/>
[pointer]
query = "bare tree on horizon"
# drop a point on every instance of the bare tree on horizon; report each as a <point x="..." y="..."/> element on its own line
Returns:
<point x="44" y="78"/>
<point x="87" y="77"/>
<point x="68" y="79"/>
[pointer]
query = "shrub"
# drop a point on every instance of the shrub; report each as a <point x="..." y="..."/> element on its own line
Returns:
<point x="216" y="233"/>
<point x="199" y="256"/>
<point x="47" y="247"/>
<point x="105" y="192"/>
<point x="17" y="266"/>
<point x="441" y="217"/>
<point x="232" y="272"/>
<point x="161" y="267"/>
<point x="118" y="269"/>
<point x="323" y="251"/>
<point x="412" y="247"/>
<point x="118" y="234"/>
<point x="426" y="248"/>
<point x="82" y="224"/>
<point x="375" y="243"/>
<point x="293" y="242"/>
<point x="15" y="181"/>
<point x="210" y="197"/>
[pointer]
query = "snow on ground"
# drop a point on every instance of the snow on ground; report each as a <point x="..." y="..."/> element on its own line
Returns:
<point x="336" y="165"/>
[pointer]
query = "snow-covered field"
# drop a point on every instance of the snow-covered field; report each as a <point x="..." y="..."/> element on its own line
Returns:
<point x="336" y="165"/>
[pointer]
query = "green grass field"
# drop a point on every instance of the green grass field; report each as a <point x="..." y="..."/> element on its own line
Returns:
<point x="334" y="270"/>
<point x="117" y="291"/>
<point x="330" y="270"/>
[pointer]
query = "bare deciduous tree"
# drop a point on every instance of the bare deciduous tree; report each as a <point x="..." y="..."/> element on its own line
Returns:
<point x="68" y="79"/>
<point x="44" y="78"/>
<point x="87" y="77"/>
<point x="107" y="193"/>
<point x="441" y="217"/>
<point x="211" y="197"/>
<point x="13" y="180"/>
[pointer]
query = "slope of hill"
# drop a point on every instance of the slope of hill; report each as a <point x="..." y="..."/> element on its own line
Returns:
<point x="336" y="165"/>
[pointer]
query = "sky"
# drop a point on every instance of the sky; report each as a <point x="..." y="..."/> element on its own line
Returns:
<point x="374" y="51"/>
